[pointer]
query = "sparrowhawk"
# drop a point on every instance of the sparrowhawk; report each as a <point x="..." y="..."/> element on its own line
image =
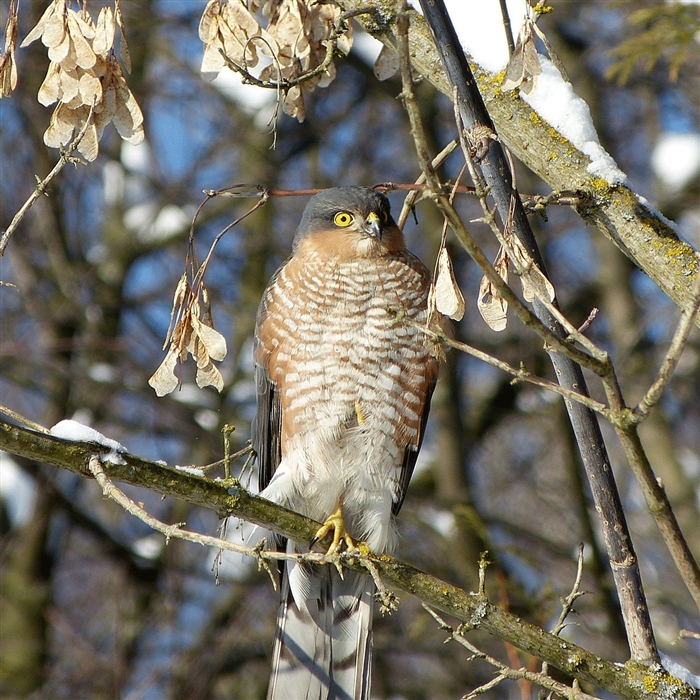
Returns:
<point x="344" y="378"/>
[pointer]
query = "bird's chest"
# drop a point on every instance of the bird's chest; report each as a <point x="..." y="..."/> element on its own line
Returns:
<point x="339" y="322"/>
<point x="341" y="349"/>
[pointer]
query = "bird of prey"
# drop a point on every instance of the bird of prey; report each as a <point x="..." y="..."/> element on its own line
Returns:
<point x="344" y="379"/>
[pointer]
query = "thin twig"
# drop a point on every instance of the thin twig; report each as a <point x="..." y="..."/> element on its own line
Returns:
<point x="203" y="267"/>
<point x="410" y="200"/>
<point x="284" y="84"/>
<point x="411" y="103"/>
<point x="622" y="420"/>
<point x="566" y="358"/>
<point x="535" y="203"/>
<point x="675" y="350"/>
<point x="113" y="492"/>
<point x="439" y="192"/>
<point x="520" y="375"/>
<point x="66" y="157"/>
<point x="486" y="686"/>
<point x="387" y="598"/>
<point x="576" y="334"/>
<point x="206" y="468"/>
<point x="591" y="317"/>
<point x="506" y="242"/>
<point x="22" y="420"/>
<point x="110" y="490"/>
<point x="567" y="604"/>
<point x="505" y="671"/>
<point x="507" y="27"/>
<point x="574" y="595"/>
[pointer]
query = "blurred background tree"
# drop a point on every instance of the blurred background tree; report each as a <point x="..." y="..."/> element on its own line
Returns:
<point x="93" y="604"/>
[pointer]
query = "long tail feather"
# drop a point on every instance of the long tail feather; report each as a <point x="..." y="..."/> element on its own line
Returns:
<point x="323" y="642"/>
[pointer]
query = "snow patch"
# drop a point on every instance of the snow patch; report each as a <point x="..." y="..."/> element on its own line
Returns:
<point x="479" y="26"/>
<point x="195" y="471"/>
<point x="77" y="432"/>
<point x="556" y="102"/>
<point x="656" y="213"/>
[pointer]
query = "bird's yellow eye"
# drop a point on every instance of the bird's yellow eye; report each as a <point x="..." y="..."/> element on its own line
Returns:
<point x="343" y="219"/>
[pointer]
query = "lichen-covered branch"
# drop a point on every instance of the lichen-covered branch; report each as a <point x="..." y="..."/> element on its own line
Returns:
<point x="633" y="226"/>
<point x="491" y="168"/>
<point x="228" y="497"/>
<point x="541" y="679"/>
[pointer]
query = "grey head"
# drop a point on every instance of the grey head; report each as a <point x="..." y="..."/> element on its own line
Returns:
<point x="338" y="208"/>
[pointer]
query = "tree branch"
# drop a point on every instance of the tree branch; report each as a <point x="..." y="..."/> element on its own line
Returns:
<point x="41" y="185"/>
<point x="675" y="350"/>
<point x="541" y="679"/>
<point x="635" y="227"/>
<point x="491" y="167"/>
<point x="228" y="497"/>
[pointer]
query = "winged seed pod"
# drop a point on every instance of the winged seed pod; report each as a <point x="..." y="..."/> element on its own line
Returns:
<point x="534" y="283"/>
<point x="191" y="330"/>
<point x="8" y="64"/>
<point x="524" y="65"/>
<point x="492" y="306"/>
<point x="104" y="32"/>
<point x="85" y="78"/>
<point x="448" y="297"/>
<point x="300" y="37"/>
<point x="387" y="64"/>
<point x="231" y="28"/>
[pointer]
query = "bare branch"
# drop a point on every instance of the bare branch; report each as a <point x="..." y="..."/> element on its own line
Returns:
<point x="439" y="192"/>
<point x="576" y="592"/>
<point x="113" y="492"/>
<point x="567" y="604"/>
<point x="675" y="350"/>
<point x="40" y="189"/>
<point x="635" y="227"/>
<point x="507" y="27"/>
<point x="492" y="170"/>
<point x="229" y="498"/>
<point x="520" y="374"/>
<point x="541" y="679"/>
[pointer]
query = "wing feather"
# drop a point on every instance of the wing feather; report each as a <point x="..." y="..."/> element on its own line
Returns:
<point x="267" y="426"/>
<point x="410" y="455"/>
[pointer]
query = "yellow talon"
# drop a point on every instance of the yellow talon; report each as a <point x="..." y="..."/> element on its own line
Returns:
<point x="336" y="523"/>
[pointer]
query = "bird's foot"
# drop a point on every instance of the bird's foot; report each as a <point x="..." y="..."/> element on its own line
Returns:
<point x="335" y="523"/>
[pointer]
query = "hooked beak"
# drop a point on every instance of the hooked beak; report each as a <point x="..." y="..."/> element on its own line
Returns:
<point x="372" y="226"/>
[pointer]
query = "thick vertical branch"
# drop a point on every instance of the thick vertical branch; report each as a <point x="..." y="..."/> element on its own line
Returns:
<point x="494" y="168"/>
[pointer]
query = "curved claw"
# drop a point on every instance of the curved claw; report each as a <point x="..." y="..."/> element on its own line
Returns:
<point x="335" y="523"/>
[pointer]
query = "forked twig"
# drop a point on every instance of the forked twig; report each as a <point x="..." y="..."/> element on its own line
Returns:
<point x="386" y="597"/>
<point x="567" y="603"/>
<point x="506" y="672"/>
